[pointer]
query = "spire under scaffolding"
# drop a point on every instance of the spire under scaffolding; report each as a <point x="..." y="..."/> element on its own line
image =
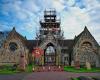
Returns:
<point x="50" y="24"/>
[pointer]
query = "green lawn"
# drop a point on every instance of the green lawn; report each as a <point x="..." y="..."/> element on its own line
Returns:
<point x="75" y="79"/>
<point x="7" y="69"/>
<point x="72" y="69"/>
<point x="8" y="72"/>
<point x="29" y="68"/>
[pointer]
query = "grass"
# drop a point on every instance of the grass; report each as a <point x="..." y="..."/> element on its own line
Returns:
<point x="75" y="79"/>
<point x="72" y="69"/>
<point x="8" y="72"/>
<point x="7" y="69"/>
<point x="29" y="68"/>
<point x="83" y="77"/>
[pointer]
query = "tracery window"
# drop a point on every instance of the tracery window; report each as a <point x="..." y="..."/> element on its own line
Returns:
<point x="50" y="50"/>
<point x="87" y="53"/>
<point x="13" y="46"/>
<point x="86" y="45"/>
<point x="50" y="55"/>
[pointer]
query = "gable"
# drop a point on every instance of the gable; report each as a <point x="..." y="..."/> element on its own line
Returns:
<point x="13" y="35"/>
<point x="85" y="35"/>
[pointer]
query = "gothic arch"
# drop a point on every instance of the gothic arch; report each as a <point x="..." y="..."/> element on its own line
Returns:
<point x="50" y="54"/>
<point x="43" y="46"/>
<point x="86" y="53"/>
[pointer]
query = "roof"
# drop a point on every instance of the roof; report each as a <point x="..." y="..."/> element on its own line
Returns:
<point x="84" y="31"/>
<point x="66" y="43"/>
<point x="14" y="32"/>
<point x="31" y="44"/>
<point x="77" y="37"/>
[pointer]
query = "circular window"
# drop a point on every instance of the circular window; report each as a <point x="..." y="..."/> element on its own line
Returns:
<point x="13" y="46"/>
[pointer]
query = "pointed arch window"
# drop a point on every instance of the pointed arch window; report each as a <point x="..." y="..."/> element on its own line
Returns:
<point x="86" y="45"/>
<point x="50" y="50"/>
<point x="50" y="55"/>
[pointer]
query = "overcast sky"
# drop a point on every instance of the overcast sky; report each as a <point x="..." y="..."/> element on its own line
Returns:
<point x="74" y="14"/>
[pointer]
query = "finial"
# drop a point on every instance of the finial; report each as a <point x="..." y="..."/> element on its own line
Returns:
<point x="13" y="28"/>
<point x="85" y="28"/>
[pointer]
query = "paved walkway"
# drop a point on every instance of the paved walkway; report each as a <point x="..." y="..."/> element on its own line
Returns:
<point x="56" y="75"/>
<point x="45" y="76"/>
<point x="18" y="76"/>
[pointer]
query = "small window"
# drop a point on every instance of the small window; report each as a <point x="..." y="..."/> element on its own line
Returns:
<point x="13" y="46"/>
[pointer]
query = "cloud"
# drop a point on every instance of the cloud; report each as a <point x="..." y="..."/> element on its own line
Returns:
<point x="22" y="14"/>
<point x="76" y="17"/>
<point x="75" y="14"/>
<point x="80" y="4"/>
<point x="20" y="9"/>
<point x="4" y="27"/>
<point x="70" y="2"/>
<point x="30" y="6"/>
<point x="70" y="23"/>
<point x="58" y="5"/>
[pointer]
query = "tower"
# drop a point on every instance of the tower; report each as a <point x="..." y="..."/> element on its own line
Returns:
<point x="50" y="24"/>
<point x="49" y="35"/>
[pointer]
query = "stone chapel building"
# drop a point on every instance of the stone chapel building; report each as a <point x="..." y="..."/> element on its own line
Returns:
<point x="57" y="49"/>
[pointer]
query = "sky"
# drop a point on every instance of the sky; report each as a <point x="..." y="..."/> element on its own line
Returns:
<point x="25" y="15"/>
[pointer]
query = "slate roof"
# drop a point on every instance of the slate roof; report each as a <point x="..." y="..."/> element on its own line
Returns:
<point x="77" y="38"/>
<point x="16" y="33"/>
<point x="31" y="44"/>
<point x="66" y="43"/>
<point x="84" y="31"/>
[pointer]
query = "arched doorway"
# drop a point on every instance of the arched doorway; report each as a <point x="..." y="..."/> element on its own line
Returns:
<point x="50" y="55"/>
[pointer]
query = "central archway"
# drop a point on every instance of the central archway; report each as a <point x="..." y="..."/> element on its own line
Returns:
<point x="50" y="55"/>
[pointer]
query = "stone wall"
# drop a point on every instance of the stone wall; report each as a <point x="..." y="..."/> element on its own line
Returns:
<point x="86" y="49"/>
<point x="8" y="56"/>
